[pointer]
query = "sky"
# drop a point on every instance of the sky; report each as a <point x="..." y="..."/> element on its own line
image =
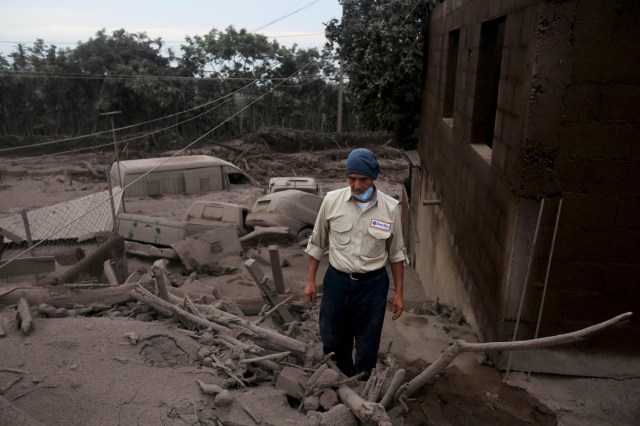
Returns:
<point x="65" y="22"/>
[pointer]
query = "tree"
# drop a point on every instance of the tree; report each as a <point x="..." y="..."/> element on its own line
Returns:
<point x="381" y="44"/>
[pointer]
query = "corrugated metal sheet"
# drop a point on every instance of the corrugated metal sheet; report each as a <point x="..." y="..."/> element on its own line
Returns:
<point x="67" y="220"/>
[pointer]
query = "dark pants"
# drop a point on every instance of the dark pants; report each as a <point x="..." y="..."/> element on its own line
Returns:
<point x="353" y="309"/>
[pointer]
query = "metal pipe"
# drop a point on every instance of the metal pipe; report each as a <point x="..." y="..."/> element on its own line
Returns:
<point x="526" y="281"/>
<point x="546" y="278"/>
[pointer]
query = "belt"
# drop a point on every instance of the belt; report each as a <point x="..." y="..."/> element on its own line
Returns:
<point x="356" y="276"/>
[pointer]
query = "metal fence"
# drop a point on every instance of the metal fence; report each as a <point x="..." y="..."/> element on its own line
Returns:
<point x="36" y="240"/>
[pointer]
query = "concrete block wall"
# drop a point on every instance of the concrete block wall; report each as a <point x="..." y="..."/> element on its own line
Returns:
<point x="594" y="145"/>
<point x="566" y="125"/>
<point x="473" y="181"/>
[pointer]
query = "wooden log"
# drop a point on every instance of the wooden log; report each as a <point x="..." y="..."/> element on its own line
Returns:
<point x="264" y="358"/>
<point x="112" y="248"/>
<point x="447" y="357"/>
<point x="62" y="297"/>
<point x="272" y="310"/>
<point x="396" y="382"/>
<point x="24" y="314"/>
<point x="376" y="388"/>
<point x="168" y="308"/>
<point x="110" y="273"/>
<point x="366" y="411"/>
<point x="272" y="336"/>
<point x="159" y="271"/>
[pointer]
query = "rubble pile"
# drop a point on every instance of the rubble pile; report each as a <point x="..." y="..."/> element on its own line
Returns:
<point x="279" y="347"/>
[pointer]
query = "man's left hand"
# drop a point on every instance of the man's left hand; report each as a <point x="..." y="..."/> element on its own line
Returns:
<point x="397" y="306"/>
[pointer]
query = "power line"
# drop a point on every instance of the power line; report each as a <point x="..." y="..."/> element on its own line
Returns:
<point x="130" y="126"/>
<point x="76" y="76"/>
<point x="286" y="16"/>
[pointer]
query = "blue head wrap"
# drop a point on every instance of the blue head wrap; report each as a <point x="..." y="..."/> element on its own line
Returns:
<point x="363" y="162"/>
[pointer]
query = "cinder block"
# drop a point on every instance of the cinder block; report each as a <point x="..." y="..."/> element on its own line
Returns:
<point x="622" y="280"/>
<point x="595" y="246"/>
<point x="599" y="140"/>
<point x="590" y="211"/>
<point x="594" y="308"/>
<point x="517" y="67"/>
<point x="519" y="100"/>
<point x="511" y="131"/>
<point x="582" y="102"/>
<point x="571" y="276"/>
<point x="621" y="102"/>
<point x="595" y="19"/>
<point x="505" y="95"/>
<point x="628" y="214"/>
<point x="329" y="399"/>
<point x="512" y="30"/>
<point x="499" y="156"/>
<point x="529" y="22"/>
<point x="600" y="176"/>
<point x="291" y="380"/>
<point x="605" y="61"/>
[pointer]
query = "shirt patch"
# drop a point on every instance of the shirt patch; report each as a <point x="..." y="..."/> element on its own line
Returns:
<point x="385" y="226"/>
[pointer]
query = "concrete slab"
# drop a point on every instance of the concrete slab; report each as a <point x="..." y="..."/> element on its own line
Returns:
<point x="571" y="362"/>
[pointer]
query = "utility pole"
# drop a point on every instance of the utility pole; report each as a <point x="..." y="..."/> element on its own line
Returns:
<point x="340" y="94"/>
<point x="115" y="147"/>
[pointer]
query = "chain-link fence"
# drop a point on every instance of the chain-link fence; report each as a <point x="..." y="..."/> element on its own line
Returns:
<point x="46" y="239"/>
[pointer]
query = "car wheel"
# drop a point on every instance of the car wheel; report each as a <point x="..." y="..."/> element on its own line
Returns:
<point x="304" y="234"/>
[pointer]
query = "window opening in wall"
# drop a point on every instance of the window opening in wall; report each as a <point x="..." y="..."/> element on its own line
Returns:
<point x="452" y="70"/>
<point x="487" y="81"/>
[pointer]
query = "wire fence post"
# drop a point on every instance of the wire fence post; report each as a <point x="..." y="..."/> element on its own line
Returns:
<point x="27" y="232"/>
<point x="113" y="206"/>
<point x="117" y="152"/>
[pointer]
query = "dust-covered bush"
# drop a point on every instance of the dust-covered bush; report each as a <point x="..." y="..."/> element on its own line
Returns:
<point x="279" y="139"/>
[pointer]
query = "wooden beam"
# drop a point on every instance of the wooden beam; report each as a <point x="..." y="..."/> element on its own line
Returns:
<point x="268" y="294"/>
<point x="276" y="269"/>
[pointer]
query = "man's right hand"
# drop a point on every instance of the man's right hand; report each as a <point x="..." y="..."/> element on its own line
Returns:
<point x="310" y="292"/>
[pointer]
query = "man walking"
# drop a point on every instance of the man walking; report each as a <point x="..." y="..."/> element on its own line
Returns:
<point x="360" y="226"/>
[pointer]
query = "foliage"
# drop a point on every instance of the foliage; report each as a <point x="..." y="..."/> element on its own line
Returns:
<point x="229" y="80"/>
<point x="381" y="44"/>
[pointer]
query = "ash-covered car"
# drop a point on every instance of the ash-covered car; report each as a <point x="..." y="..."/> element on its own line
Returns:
<point x="292" y="208"/>
<point x="306" y="184"/>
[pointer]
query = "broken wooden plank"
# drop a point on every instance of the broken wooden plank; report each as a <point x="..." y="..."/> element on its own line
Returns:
<point x="368" y="412"/>
<point x="110" y="273"/>
<point x="24" y="314"/>
<point x="272" y="310"/>
<point x="269" y="295"/>
<point x="159" y="271"/>
<point x="276" y="269"/>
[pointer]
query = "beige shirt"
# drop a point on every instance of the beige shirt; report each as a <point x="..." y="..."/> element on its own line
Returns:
<point x="357" y="241"/>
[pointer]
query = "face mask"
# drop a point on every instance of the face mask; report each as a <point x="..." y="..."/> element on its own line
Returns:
<point x="364" y="196"/>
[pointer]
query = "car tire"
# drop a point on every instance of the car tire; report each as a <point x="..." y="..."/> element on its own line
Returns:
<point x="304" y="234"/>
